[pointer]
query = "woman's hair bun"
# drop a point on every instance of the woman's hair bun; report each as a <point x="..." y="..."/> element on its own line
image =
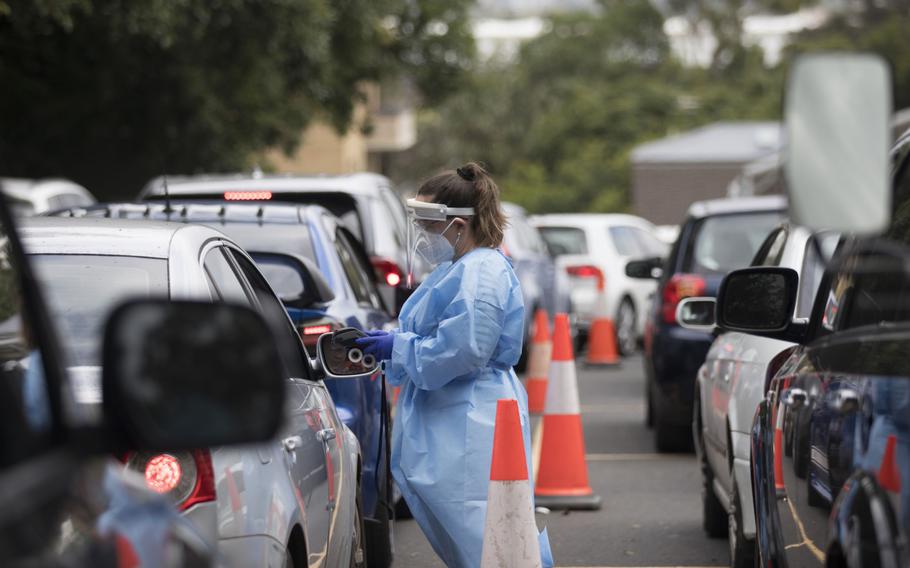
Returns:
<point x="466" y="173"/>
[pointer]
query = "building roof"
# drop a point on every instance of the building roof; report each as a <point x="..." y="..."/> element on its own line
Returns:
<point x="721" y="142"/>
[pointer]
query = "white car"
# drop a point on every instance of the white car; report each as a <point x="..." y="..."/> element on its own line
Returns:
<point x="588" y="245"/>
<point x="729" y="387"/>
<point x="34" y="196"/>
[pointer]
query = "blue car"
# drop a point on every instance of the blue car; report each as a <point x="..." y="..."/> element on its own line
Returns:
<point x="717" y="236"/>
<point x="324" y="277"/>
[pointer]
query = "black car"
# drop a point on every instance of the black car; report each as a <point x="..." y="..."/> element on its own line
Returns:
<point x="716" y="237"/>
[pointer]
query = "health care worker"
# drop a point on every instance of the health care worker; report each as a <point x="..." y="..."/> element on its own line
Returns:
<point x="460" y="334"/>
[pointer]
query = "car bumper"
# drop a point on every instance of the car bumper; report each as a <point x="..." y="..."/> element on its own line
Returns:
<point x="675" y="357"/>
<point x="257" y="550"/>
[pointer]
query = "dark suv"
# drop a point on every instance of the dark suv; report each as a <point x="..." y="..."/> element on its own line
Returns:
<point x="716" y="237"/>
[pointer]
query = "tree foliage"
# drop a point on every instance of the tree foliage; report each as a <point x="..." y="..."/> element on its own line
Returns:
<point x="112" y="92"/>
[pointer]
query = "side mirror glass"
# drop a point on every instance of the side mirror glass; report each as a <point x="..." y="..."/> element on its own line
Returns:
<point x="341" y="358"/>
<point x="837" y="114"/>
<point x="757" y="300"/>
<point x="696" y="313"/>
<point x="187" y="375"/>
<point x="295" y="279"/>
<point x="647" y="269"/>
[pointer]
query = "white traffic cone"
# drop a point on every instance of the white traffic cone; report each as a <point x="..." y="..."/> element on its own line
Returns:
<point x="510" y="537"/>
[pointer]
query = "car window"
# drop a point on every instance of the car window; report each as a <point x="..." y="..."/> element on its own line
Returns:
<point x="26" y="417"/>
<point x="356" y="273"/>
<point x="81" y="290"/>
<point x="812" y="270"/>
<point x="770" y="252"/>
<point x="290" y="347"/>
<point x="392" y="204"/>
<point x="625" y="242"/>
<point x="223" y="278"/>
<point x="726" y="242"/>
<point x="282" y="275"/>
<point x="647" y="242"/>
<point x="565" y="240"/>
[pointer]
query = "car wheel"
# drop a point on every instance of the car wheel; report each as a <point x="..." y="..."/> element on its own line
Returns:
<point x="742" y="550"/>
<point x="670" y="438"/>
<point x="801" y="448"/>
<point x="357" y="536"/>
<point x="714" y="517"/>
<point x="626" y="328"/>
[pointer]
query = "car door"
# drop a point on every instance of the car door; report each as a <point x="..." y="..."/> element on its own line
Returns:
<point x="313" y="442"/>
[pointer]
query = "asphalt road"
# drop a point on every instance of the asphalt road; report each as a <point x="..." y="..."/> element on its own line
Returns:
<point x="651" y="514"/>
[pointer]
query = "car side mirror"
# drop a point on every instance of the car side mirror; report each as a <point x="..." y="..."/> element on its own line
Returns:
<point x="757" y="300"/>
<point x="697" y="313"/>
<point x="646" y="269"/>
<point x="340" y="358"/>
<point x="837" y="113"/>
<point x="187" y="375"/>
<point x="297" y="281"/>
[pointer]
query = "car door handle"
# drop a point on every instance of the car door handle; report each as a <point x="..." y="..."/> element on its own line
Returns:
<point x="292" y="443"/>
<point x="325" y="435"/>
<point x="795" y="398"/>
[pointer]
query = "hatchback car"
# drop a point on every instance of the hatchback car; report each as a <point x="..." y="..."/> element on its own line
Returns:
<point x="592" y="247"/>
<point x="365" y="202"/>
<point x="283" y="502"/>
<point x="729" y="386"/>
<point x="716" y="237"/>
<point x="304" y="251"/>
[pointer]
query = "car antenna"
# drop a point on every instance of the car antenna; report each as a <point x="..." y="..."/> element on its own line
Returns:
<point x="167" y="200"/>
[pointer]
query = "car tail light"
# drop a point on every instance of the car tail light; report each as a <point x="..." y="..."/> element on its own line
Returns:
<point x="587" y="271"/>
<point x="247" y="195"/>
<point x="185" y="477"/>
<point x="387" y="271"/>
<point x="311" y="330"/>
<point x="676" y="289"/>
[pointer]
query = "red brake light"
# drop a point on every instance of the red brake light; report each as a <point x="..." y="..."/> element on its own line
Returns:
<point x="316" y="329"/>
<point x="311" y="330"/>
<point x="587" y="271"/>
<point x="676" y="289"/>
<point x="187" y="477"/>
<point x="247" y="195"/>
<point x="387" y="271"/>
<point x="162" y="473"/>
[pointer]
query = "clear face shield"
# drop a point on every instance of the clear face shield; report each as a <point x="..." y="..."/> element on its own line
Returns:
<point x="427" y="245"/>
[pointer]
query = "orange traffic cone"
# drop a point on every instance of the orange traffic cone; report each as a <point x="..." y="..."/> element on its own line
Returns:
<point x="510" y="535"/>
<point x="889" y="476"/>
<point x="602" y="348"/>
<point x="562" y="481"/>
<point x="539" y="363"/>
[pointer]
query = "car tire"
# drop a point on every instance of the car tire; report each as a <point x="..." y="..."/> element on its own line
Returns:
<point x="714" y="517"/>
<point x="813" y="497"/>
<point x="626" y="328"/>
<point x="800" y="447"/>
<point x="358" y="558"/>
<point x="670" y="438"/>
<point x="742" y="550"/>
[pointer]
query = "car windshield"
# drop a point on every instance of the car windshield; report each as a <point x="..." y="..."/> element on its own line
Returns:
<point x="82" y="289"/>
<point x="726" y="242"/>
<point x="565" y="240"/>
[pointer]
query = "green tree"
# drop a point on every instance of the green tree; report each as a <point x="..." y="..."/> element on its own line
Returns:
<point x="113" y="92"/>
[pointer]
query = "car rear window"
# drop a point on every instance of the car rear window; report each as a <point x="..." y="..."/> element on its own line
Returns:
<point x="726" y="242"/>
<point x="565" y="240"/>
<point x="81" y="290"/>
<point x="282" y="275"/>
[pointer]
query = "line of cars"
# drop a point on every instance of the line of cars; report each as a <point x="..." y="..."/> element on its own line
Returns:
<point x="798" y="399"/>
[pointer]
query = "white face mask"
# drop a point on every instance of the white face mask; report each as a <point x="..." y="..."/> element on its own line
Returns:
<point x="435" y="248"/>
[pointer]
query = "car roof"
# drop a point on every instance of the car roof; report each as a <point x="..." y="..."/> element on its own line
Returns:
<point x="589" y="219"/>
<point x="29" y="189"/>
<point x="726" y="206"/>
<point x="116" y="237"/>
<point x="364" y="183"/>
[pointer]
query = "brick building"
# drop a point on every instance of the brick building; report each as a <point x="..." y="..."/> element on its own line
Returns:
<point x="671" y="173"/>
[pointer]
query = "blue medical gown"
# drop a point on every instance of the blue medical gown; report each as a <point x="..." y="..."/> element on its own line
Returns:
<point x="461" y="332"/>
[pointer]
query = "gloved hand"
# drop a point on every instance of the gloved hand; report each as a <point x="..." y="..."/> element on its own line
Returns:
<point x="378" y="343"/>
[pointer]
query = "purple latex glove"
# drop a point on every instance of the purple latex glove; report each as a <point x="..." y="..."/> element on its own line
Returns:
<point x="377" y="343"/>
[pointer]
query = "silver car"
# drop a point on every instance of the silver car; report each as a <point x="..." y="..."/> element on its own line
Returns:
<point x="291" y="501"/>
<point x="732" y="382"/>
